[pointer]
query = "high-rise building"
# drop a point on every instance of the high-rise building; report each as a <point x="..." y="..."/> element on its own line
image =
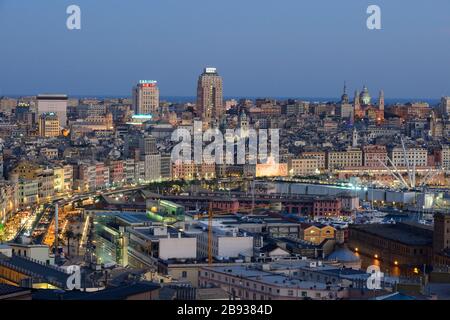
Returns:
<point x="146" y="98"/>
<point x="53" y="103"/>
<point x="210" y="96"/>
<point x="147" y="145"/>
<point x="152" y="167"/>
<point x="445" y="157"/>
<point x="24" y="114"/>
<point x="7" y="105"/>
<point x="166" y="166"/>
<point x="49" y="125"/>
<point x="445" y="105"/>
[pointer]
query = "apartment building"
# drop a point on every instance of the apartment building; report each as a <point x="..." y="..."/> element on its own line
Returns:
<point x="319" y="155"/>
<point x="414" y="156"/>
<point x="350" y="158"/>
<point x="375" y="156"/>
<point x="248" y="283"/>
<point x="307" y="166"/>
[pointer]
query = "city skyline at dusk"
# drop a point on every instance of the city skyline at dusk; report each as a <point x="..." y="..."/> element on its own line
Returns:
<point x="225" y="157"/>
<point x="293" y="49"/>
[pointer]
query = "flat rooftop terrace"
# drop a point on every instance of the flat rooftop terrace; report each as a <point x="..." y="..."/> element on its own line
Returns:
<point x="408" y="234"/>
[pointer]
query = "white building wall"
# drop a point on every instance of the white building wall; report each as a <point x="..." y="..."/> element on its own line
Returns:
<point x="56" y="106"/>
<point x="231" y="247"/>
<point x="152" y="167"/>
<point x="178" y="248"/>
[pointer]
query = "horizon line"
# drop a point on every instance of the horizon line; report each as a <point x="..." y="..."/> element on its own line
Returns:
<point x="329" y="99"/>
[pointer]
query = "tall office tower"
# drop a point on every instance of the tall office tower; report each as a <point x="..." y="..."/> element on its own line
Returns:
<point x="49" y="125"/>
<point x="210" y="96"/>
<point x="146" y="97"/>
<point x="445" y="106"/>
<point x="24" y="114"/>
<point x="53" y="103"/>
<point x="147" y="145"/>
<point x="166" y="166"/>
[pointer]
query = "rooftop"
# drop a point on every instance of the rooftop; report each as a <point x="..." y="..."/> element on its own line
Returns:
<point x="53" y="275"/>
<point x="267" y="277"/>
<point x="410" y="234"/>
<point x="7" y="290"/>
<point x="134" y="218"/>
<point x="117" y="293"/>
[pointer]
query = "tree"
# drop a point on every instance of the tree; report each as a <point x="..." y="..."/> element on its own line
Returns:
<point x="2" y="233"/>
<point x="68" y="234"/>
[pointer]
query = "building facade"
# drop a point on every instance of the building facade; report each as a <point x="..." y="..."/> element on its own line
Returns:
<point x="210" y="96"/>
<point x="146" y="98"/>
<point x="56" y="104"/>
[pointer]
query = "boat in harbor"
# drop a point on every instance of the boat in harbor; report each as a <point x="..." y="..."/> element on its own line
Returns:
<point x="369" y="216"/>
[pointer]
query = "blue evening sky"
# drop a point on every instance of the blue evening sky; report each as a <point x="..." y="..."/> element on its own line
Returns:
<point x="279" y="48"/>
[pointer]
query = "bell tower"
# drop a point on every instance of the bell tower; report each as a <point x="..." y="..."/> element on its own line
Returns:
<point x="381" y="101"/>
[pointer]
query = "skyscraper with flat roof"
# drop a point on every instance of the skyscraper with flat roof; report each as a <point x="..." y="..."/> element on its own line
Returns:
<point x="53" y="103"/>
<point x="445" y="106"/>
<point x="210" y="96"/>
<point x="146" y="98"/>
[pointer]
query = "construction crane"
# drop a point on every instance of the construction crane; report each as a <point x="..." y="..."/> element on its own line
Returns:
<point x="211" y="215"/>
<point x="410" y="182"/>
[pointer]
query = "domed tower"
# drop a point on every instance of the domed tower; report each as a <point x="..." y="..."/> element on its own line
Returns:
<point x="365" y="98"/>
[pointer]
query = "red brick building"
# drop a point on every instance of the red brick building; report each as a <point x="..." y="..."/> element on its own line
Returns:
<point x="327" y="207"/>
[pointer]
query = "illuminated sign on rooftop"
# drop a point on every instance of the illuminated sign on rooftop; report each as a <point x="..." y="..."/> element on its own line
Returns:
<point x="211" y="70"/>
<point x="142" y="116"/>
<point x="140" y="119"/>
<point x="148" y="82"/>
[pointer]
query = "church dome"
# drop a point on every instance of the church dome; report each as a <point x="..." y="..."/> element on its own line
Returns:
<point x="343" y="254"/>
<point x="365" y="96"/>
